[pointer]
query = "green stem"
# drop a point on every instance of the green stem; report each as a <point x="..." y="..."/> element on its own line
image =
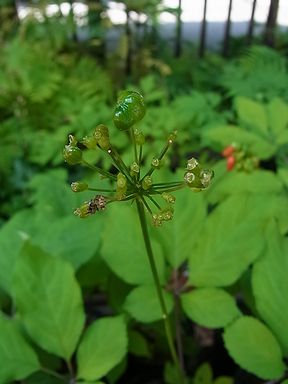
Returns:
<point x="154" y="202"/>
<point x="101" y="171"/>
<point x="101" y="190"/>
<point x="132" y="135"/>
<point x="153" y="191"/>
<point x="170" y="183"/>
<point x="167" y="326"/>
<point x="70" y="368"/>
<point x="52" y="373"/>
<point x="160" y="157"/>
<point x="119" y="164"/>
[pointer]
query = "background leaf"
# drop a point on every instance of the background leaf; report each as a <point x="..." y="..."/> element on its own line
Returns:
<point x="270" y="284"/>
<point x="123" y="247"/>
<point x="278" y="115"/>
<point x="203" y="375"/>
<point x="224" y="135"/>
<point x="18" y="359"/>
<point x="252" y="114"/>
<point x="210" y="307"/>
<point x="71" y="239"/>
<point x="103" y="346"/>
<point x="143" y="304"/>
<point x="257" y="182"/>
<point x="225" y="248"/>
<point x="49" y="301"/>
<point x="253" y="346"/>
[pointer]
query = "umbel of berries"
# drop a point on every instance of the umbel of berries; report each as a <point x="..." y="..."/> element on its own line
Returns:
<point x="132" y="182"/>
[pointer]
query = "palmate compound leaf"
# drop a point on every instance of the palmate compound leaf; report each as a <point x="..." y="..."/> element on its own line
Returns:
<point x="103" y="346"/>
<point x="123" y="246"/>
<point x="210" y="307"/>
<point x="18" y="359"/>
<point x="254" y="347"/>
<point x="270" y="284"/>
<point x="49" y="301"/>
<point x="225" y="247"/>
<point x="143" y="304"/>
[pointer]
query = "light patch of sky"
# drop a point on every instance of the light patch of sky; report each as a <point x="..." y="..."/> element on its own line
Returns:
<point x="217" y="10"/>
<point x="192" y="11"/>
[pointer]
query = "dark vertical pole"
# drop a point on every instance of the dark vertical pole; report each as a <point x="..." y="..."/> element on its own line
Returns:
<point x="251" y="23"/>
<point x="129" y="44"/>
<point x="95" y="9"/>
<point x="227" y="31"/>
<point x="72" y="21"/>
<point x="178" y="42"/>
<point x="269" y="33"/>
<point x="202" y="44"/>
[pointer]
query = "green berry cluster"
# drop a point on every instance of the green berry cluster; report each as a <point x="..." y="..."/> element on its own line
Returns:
<point x="132" y="181"/>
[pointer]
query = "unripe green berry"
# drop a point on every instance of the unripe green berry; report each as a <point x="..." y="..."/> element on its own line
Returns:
<point x="156" y="163"/>
<point x="121" y="186"/>
<point x="147" y="182"/>
<point x="134" y="169"/>
<point x="72" y="155"/>
<point x="130" y="109"/>
<point x="139" y="137"/>
<point x="168" y="197"/>
<point x="172" y="137"/>
<point x="90" y="142"/>
<point x="101" y="134"/>
<point x="79" y="186"/>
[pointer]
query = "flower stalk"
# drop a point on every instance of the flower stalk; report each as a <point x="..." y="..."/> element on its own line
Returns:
<point x="132" y="183"/>
<point x="153" y="267"/>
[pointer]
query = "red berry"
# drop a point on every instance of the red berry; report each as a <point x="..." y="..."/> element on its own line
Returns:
<point x="228" y="151"/>
<point x="230" y="163"/>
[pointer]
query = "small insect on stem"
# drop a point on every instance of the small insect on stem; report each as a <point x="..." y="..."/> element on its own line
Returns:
<point x="98" y="203"/>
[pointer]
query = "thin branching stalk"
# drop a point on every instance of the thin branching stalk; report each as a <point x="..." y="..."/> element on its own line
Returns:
<point x="151" y="258"/>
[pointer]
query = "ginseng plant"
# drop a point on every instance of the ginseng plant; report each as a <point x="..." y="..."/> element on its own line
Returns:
<point x="135" y="184"/>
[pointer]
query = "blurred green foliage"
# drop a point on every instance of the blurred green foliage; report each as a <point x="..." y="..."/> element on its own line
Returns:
<point x="228" y="246"/>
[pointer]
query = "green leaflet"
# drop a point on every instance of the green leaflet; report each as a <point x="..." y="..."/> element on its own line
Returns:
<point x="71" y="239"/>
<point x="224" y="380"/>
<point x="277" y="115"/>
<point x="143" y="304"/>
<point x="257" y="182"/>
<point x="210" y="307"/>
<point x="178" y="237"/>
<point x="252" y="114"/>
<point x="138" y="345"/>
<point x="225" y="248"/>
<point x="203" y="375"/>
<point x="103" y="346"/>
<point x="123" y="246"/>
<point x="224" y="135"/>
<point x="254" y="347"/>
<point x="48" y="284"/>
<point x="12" y="237"/>
<point x="18" y="359"/>
<point x="270" y="284"/>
